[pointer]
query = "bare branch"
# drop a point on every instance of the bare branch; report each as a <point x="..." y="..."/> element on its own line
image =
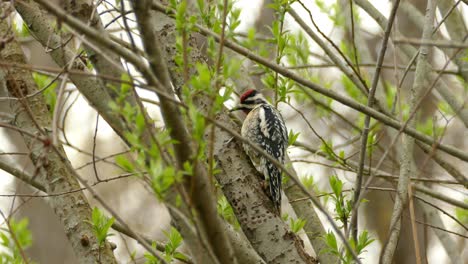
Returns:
<point x="407" y="166"/>
<point x="365" y="131"/>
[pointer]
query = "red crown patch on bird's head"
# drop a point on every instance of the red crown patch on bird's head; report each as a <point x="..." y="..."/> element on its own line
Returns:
<point x="247" y="94"/>
<point x="249" y="100"/>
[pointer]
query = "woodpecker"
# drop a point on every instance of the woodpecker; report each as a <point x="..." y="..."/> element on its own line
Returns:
<point x="264" y="126"/>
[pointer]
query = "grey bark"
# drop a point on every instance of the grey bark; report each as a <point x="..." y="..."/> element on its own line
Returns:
<point x="32" y="115"/>
<point x="407" y="166"/>
<point x="313" y="227"/>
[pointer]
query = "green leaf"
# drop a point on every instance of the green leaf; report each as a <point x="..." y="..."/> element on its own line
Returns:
<point x="327" y="148"/>
<point x="429" y="128"/>
<point x="49" y="84"/>
<point x="292" y="137"/>
<point x="174" y="240"/>
<point x="341" y="154"/>
<point x="462" y="214"/>
<point x="226" y="211"/>
<point x="22" y="30"/>
<point x="445" y="108"/>
<point x="308" y="181"/>
<point x="336" y="185"/>
<point x="297" y="225"/>
<point x="124" y="163"/>
<point x="140" y="122"/>
<point x="178" y="255"/>
<point x="10" y="253"/>
<point x="101" y="225"/>
<point x="125" y="86"/>
<point x="363" y="241"/>
<point x="330" y="240"/>
<point x="352" y="90"/>
<point x="173" y="243"/>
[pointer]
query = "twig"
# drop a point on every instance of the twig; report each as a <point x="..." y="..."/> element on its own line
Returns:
<point x="441" y="196"/>
<point x="413" y="225"/>
<point x="437" y="43"/>
<point x="94" y="148"/>
<point x="353" y="37"/>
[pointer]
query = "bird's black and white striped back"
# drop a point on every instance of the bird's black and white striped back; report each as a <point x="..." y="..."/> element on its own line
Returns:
<point x="265" y="127"/>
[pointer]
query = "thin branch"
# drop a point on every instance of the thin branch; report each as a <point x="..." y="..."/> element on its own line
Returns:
<point x="20" y="174"/>
<point x="94" y="148"/>
<point x="436" y="43"/>
<point x="353" y="36"/>
<point x="440" y="196"/>
<point x="413" y="225"/>
<point x="365" y="131"/>
<point x="407" y="166"/>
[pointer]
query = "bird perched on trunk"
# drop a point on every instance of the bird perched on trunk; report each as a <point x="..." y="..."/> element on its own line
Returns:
<point x="264" y="126"/>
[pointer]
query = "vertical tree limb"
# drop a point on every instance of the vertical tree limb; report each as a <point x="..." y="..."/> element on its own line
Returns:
<point x="406" y="168"/>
